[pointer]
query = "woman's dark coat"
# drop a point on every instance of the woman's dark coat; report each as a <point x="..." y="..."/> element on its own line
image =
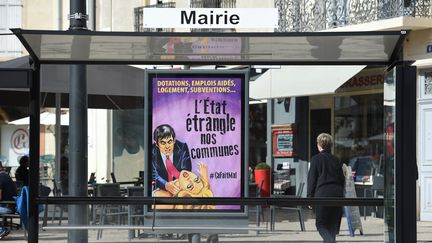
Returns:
<point x="326" y="179"/>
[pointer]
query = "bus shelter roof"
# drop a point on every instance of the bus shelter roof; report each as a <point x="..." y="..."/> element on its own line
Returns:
<point x="199" y="48"/>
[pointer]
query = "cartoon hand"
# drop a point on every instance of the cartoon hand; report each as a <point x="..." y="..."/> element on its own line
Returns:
<point x="203" y="171"/>
<point x="172" y="187"/>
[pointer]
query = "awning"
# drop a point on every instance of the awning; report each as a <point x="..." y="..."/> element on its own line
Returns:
<point x="291" y="81"/>
<point x="46" y="118"/>
<point x="288" y="48"/>
<point x="118" y="80"/>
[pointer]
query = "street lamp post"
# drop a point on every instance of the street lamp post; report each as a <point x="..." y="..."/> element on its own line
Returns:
<point x="78" y="214"/>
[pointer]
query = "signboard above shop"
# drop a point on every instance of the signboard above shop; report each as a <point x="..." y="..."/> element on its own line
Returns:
<point x="369" y="79"/>
<point x="210" y="18"/>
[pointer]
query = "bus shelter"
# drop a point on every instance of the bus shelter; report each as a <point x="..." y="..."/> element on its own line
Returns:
<point x="324" y="48"/>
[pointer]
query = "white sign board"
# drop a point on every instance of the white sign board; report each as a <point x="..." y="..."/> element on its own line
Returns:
<point x="210" y="17"/>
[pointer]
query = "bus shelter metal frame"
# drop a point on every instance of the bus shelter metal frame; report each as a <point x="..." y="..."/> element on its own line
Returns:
<point x="405" y="144"/>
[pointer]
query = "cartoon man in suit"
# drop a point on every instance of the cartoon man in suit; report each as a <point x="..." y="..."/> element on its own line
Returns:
<point x="169" y="157"/>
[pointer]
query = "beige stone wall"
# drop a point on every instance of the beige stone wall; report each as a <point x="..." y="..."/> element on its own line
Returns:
<point x="45" y="14"/>
<point x="415" y="46"/>
<point x="103" y="15"/>
<point x="182" y="3"/>
<point x="255" y="4"/>
<point x="112" y="15"/>
<point x="117" y="15"/>
<point x="39" y="14"/>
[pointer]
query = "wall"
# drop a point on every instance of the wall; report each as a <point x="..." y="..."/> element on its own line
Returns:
<point x="424" y="142"/>
<point x="39" y="14"/>
<point x="6" y="147"/>
<point x="10" y="17"/>
<point x="116" y="15"/>
<point x="282" y="115"/>
<point x="415" y="48"/>
<point x="15" y="142"/>
<point x="99" y="153"/>
<point x="255" y="4"/>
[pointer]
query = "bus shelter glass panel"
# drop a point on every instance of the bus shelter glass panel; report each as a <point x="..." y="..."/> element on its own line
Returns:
<point x="14" y="134"/>
<point x="359" y="134"/>
<point x="389" y="156"/>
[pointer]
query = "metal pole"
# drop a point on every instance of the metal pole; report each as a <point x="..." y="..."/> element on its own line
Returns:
<point x="78" y="151"/>
<point x="78" y="17"/>
<point x="78" y="214"/>
<point x="405" y="160"/>
<point x="57" y="138"/>
<point x="58" y="105"/>
<point x="270" y="121"/>
<point x="33" y="222"/>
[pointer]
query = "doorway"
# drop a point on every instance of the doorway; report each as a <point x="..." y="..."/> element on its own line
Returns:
<point x="320" y="121"/>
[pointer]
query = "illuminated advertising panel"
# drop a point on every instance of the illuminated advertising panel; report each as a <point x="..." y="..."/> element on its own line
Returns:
<point x="196" y="131"/>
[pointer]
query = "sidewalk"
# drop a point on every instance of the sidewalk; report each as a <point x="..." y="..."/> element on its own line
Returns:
<point x="287" y="230"/>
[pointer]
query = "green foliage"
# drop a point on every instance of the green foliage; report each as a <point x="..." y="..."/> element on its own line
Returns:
<point x="262" y="166"/>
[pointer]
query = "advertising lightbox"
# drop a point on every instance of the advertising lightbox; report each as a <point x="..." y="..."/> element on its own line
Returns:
<point x="195" y="139"/>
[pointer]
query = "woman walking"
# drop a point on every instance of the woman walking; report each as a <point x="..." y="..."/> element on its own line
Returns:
<point x="326" y="179"/>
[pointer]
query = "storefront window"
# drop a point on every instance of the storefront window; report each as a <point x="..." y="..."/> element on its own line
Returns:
<point x="257" y="133"/>
<point x="128" y="144"/>
<point x="359" y="133"/>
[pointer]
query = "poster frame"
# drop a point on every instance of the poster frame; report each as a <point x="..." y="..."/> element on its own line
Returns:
<point x="244" y="75"/>
<point x="281" y="129"/>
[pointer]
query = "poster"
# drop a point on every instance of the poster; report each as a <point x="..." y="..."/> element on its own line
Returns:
<point x="196" y="131"/>
<point x="197" y="48"/>
<point x="283" y="140"/>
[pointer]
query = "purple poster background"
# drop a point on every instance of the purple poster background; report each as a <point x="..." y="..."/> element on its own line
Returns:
<point x="182" y="102"/>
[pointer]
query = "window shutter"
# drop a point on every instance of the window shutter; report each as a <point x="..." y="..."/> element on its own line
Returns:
<point x="10" y="17"/>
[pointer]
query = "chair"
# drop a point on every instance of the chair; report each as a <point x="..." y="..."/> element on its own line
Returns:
<point x="7" y="169"/>
<point x="113" y="178"/>
<point x="362" y="166"/>
<point x="9" y="217"/>
<point x="19" y="185"/>
<point x="135" y="212"/>
<point x="108" y="190"/>
<point x="57" y="192"/>
<point x="92" y="179"/>
<point x="297" y="208"/>
<point x="22" y="205"/>
<point x="377" y="186"/>
<point x="140" y="178"/>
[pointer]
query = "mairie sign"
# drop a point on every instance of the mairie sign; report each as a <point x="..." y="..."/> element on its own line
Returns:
<point x="210" y="17"/>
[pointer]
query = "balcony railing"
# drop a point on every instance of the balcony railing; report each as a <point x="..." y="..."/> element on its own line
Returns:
<point x="315" y="15"/>
<point x="213" y="3"/>
<point x="139" y="25"/>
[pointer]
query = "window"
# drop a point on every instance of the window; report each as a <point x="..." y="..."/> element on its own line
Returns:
<point x="10" y="17"/>
<point x="359" y="128"/>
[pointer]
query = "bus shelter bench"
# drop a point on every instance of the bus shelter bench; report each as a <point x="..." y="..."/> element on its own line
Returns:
<point x="8" y="220"/>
